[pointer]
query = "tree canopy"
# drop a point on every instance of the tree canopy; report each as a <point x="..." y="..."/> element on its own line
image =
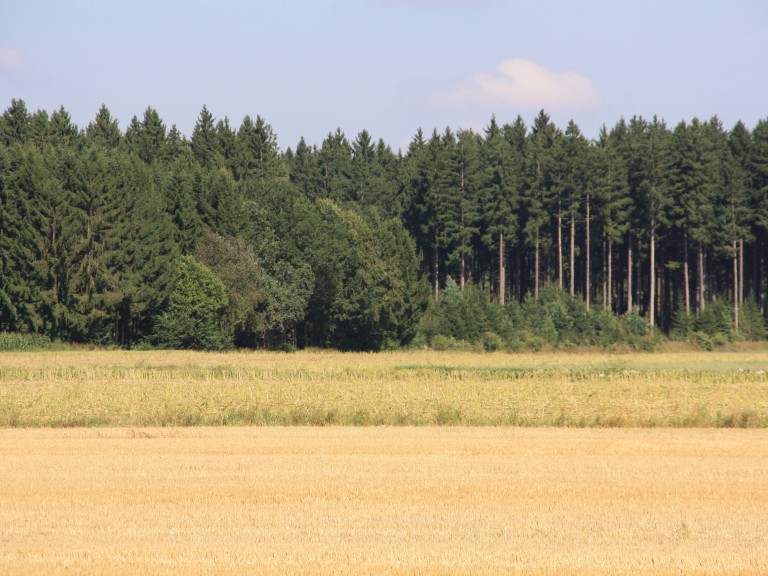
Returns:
<point x="223" y="239"/>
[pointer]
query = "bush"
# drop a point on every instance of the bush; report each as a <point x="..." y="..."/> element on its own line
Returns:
<point x="633" y="324"/>
<point x="751" y="321"/>
<point x="716" y="318"/>
<point x="441" y="342"/>
<point x="492" y="341"/>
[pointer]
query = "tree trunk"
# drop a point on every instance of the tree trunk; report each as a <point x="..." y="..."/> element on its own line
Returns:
<point x="735" y="286"/>
<point x="686" y="277"/>
<point x="502" y="270"/>
<point x="463" y="256"/>
<point x="604" y="275"/>
<point x="702" y="291"/>
<point x="588" y="264"/>
<point x="741" y="272"/>
<point x="572" y="278"/>
<point x="536" y="269"/>
<point x="652" y="298"/>
<point x="436" y="274"/>
<point x="559" y="249"/>
<point x="629" y="275"/>
<point x="610" y="274"/>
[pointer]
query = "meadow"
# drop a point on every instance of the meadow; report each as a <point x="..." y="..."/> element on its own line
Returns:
<point x="85" y="388"/>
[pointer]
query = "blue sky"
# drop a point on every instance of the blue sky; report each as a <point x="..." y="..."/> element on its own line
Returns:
<point x="388" y="66"/>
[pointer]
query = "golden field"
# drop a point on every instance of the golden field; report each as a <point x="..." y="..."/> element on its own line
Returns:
<point x="160" y="388"/>
<point x="382" y="500"/>
<point x="108" y="463"/>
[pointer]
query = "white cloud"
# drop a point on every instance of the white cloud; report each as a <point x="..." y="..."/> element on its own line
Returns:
<point x="9" y="58"/>
<point x="520" y="83"/>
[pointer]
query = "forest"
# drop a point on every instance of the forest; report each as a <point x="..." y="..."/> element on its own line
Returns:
<point x="517" y="237"/>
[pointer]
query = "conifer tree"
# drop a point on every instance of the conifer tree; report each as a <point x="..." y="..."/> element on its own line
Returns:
<point x="14" y="123"/>
<point x="612" y="201"/>
<point x="541" y="171"/>
<point x="499" y="185"/>
<point x="205" y="143"/>
<point x="104" y="131"/>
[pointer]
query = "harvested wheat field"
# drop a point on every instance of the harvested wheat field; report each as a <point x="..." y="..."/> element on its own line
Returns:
<point x="334" y="500"/>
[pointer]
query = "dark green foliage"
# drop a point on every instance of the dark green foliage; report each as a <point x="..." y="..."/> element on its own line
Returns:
<point x="193" y="318"/>
<point x="752" y="325"/>
<point x="528" y="239"/>
<point x="205" y="143"/>
<point x="104" y="131"/>
<point x="146" y="139"/>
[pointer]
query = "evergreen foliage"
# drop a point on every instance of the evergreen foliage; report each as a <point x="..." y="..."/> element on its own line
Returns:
<point x="509" y="238"/>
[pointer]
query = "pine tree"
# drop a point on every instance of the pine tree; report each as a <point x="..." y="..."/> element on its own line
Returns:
<point x="758" y="168"/>
<point x="575" y="193"/>
<point x="14" y="123"/>
<point x="22" y="174"/>
<point x="303" y="170"/>
<point x="335" y="161"/>
<point x="499" y="185"/>
<point x="146" y="139"/>
<point x="205" y="143"/>
<point x="257" y="159"/>
<point x="739" y="144"/>
<point x="541" y="176"/>
<point x="612" y="200"/>
<point x="104" y="131"/>
<point x="648" y="147"/>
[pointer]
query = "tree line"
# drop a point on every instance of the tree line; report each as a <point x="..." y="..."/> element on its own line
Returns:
<point x="147" y="237"/>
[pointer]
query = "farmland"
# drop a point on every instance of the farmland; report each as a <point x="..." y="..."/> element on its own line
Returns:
<point x="397" y="463"/>
<point x="123" y="389"/>
<point x="340" y="500"/>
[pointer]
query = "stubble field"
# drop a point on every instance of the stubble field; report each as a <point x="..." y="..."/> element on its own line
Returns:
<point x="655" y="480"/>
<point x="383" y="501"/>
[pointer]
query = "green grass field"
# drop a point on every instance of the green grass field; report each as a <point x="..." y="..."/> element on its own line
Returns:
<point x="160" y="388"/>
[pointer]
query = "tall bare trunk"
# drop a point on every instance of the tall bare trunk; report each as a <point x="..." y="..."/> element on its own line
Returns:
<point x="652" y="299"/>
<point x="436" y="274"/>
<point x="686" y="277"/>
<point x="559" y="249"/>
<point x="536" y="269"/>
<point x="604" y="275"/>
<point x="629" y="275"/>
<point x="702" y="291"/>
<point x="463" y="262"/>
<point x="735" y="286"/>
<point x="610" y="273"/>
<point x="502" y="270"/>
<point x="572" y="286"/>
<point x="588" y="265"/>
<point x="741" y="272"/>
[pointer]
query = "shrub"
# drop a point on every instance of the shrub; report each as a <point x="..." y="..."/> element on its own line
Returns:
<point x="441" y="342"/>
<point x="492" y="341"/>
<point x="751" y="321"/>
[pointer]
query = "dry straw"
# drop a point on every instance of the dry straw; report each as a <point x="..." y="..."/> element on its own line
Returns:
<point x="118" y="388"/>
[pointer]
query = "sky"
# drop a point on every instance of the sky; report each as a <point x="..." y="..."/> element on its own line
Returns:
<point x="390" y="67"/>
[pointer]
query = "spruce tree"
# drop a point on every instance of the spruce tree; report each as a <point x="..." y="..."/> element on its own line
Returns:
<point x="205" y="143"/>
<point x="104" y="131"/>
